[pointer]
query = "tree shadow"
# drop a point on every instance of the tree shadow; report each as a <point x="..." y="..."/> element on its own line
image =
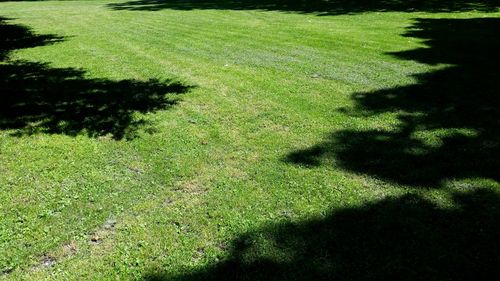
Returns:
<point x="401" y="238"/>
<point x="36" y="98"/>
<point x="458" y="107"/>
<point x="322" y="7"/>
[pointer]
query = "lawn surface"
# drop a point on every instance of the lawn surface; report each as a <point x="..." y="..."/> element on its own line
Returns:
<point x="249" y="140"/>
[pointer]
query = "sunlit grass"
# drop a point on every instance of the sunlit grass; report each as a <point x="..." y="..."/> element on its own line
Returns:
<point x="259" y="86"/>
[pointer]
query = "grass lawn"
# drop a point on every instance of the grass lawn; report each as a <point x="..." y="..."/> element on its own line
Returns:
<point x="249" y="140"/>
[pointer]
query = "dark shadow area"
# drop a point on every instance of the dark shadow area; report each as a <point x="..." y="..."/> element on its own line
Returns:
<point x="458" y="105"/>
<point x="36" y="98"/>
<point x="20" y="37"/>
<point x="405" y="238"/>
<point x="322" y="7"/>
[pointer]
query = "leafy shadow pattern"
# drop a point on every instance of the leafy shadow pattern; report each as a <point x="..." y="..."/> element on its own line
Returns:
<point x="320" y="7"/>
<point x="458" y="105"/>
<point x="399" y="238"/>
<point x="36" y="98"/>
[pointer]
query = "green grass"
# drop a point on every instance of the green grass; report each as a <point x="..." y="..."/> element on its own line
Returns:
<point x="291" y="145"/>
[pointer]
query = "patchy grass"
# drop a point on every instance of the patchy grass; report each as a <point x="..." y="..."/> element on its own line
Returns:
<point x="195" y="140"/>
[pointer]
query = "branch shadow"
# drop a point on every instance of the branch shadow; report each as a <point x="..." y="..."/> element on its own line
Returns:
<point x="458" y="107"/>
<point x="321" y="7"/>
<point x="37" y="98"/>
<point x="400" y="238"/>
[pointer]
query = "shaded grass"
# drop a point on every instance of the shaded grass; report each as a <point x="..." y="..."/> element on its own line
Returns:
<point x="449" y="120"/>
<point x="80" y="204"/>
<point x="321" y="7"/>
<point x="37" y="98"/>
<point x="406" y="237"/>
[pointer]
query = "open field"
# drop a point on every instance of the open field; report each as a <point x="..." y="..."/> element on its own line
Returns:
<point x="249" y="140"/>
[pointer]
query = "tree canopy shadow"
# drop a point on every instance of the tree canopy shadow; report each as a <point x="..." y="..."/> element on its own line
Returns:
<point x="458" y="106"/>
<point x="400" y="238"/>
<point x="322" y="7"/>
<point x="37" y="98"/>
